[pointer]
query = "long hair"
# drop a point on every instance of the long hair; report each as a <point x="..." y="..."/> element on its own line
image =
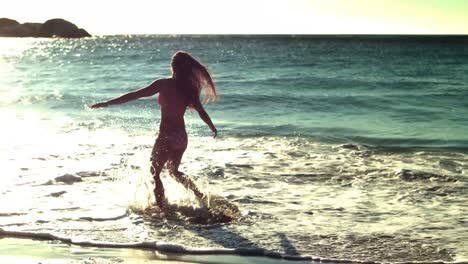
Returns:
<point x="191" y="78"/>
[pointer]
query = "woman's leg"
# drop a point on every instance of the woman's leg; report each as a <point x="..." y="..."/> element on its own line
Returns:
<point x="159" y="156"/>
<point x="175" y="157"/>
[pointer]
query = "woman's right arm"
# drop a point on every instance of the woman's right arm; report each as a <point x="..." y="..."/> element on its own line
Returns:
<point x="149" y="90"/>
<point x="205" y="117"/>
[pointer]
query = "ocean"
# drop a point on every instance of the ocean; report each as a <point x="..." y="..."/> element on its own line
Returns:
<point x="352" y="148"/>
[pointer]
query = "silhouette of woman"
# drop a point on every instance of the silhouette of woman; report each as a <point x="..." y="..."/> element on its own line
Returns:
<point x="176" y="94"/>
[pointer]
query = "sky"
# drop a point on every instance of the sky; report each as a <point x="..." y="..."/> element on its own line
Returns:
<point x="108" y="17"/>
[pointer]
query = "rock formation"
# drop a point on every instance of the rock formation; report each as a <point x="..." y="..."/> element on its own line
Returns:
<point x="51" y="28"/>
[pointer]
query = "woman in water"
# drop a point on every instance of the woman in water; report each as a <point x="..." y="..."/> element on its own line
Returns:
<point x="176" y="94"/>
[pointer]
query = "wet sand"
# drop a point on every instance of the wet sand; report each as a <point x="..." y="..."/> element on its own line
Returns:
<point x="13" y="250"/>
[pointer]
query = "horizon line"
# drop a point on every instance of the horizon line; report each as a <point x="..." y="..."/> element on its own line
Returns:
<point x="291" y="34"/>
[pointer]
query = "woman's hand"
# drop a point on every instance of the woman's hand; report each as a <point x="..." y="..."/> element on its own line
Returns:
<point x="215" y="133"/>
<point x="98" y="105"/>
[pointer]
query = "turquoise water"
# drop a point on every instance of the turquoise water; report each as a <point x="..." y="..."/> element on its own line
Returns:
<point x="329" y="145"/>
<point x="382" y="92"/>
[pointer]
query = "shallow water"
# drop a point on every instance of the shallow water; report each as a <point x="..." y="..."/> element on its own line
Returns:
<point x="354" y="160"/>
<point x="13" y="251"/>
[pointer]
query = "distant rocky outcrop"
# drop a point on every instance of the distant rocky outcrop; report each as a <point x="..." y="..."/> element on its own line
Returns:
<point x="6" y="22"/>
<point x="51" y="28"/>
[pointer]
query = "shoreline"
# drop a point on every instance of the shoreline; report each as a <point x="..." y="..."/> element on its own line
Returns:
<point x="29" y="250"/>
<point x="21" y="250"/>
<point x="353" y="165"/>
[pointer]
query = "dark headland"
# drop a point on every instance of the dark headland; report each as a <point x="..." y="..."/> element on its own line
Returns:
<point x="57" y="27"/>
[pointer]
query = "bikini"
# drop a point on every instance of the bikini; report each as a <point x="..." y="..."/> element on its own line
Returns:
<point x="174" y="139"/>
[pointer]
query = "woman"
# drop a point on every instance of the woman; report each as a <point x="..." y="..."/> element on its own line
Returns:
<point x="176" y="94"/>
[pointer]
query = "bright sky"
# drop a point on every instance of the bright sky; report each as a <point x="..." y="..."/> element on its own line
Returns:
<point x="249" y="16"/>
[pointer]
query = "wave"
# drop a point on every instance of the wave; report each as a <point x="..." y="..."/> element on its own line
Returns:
<point x="33" y="99"/>
<point x="408" y="107"/>
<point x="412" y="144"/>
<point x="180" y="249"/>
<point x="342" y="135"/>
<point x="402" y="104"/>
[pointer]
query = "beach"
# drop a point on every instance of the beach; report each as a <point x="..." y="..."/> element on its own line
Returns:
<point x="346" y="148"/>
<point x="33" y="251"/>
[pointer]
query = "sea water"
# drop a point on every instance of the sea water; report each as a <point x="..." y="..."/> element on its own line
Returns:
<point x="341" y="147"/>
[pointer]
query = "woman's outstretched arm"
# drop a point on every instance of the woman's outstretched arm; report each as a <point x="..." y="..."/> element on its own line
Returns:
<point x="152" y="89"/>
<point x="205" y="117"/>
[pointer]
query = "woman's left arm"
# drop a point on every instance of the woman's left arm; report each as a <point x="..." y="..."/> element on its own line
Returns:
<point x="152" y="89"/>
